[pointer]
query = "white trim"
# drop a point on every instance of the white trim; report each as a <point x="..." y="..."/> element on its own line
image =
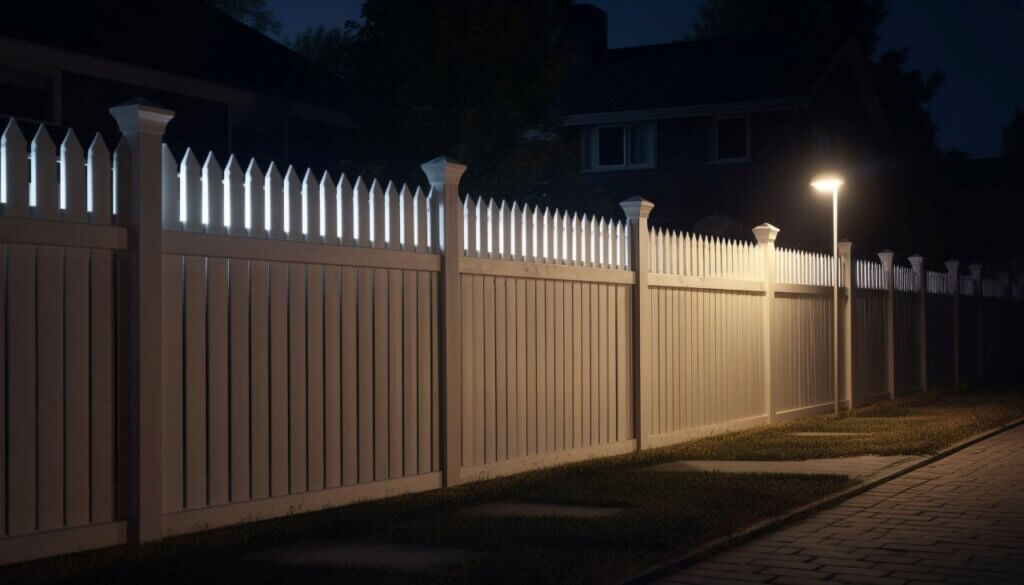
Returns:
<point x="588" y="142"/>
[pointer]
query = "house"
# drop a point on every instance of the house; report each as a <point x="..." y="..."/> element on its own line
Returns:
<point x="234" y="90"/>
<point x="725" y="134"/>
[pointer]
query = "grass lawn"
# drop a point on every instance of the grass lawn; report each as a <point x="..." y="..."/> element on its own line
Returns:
<point x="665" y="513"/>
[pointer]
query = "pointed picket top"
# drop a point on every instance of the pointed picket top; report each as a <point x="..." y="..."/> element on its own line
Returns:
<point x="392" y="217"/>
<point x="379" y="232"/>
<point x="191" y="189"/>
<point x="310" y="197"/>
<point x="171" y="205"/>
<point x="513" y="237"/>
<point x="502" y="231"/>
<point x="361" y="200"/>
<point x="293" y="205"/>
<point x="346" y="219"/>
<point x="472" y="227"/>
<point x="489" y="230"/>
<point x="273" y="185"/>
<point x="43" y="167"/>
<point x="329" y="199"/>
<point x="13" y="171"/>
<point x="98" y="186"/>
<point x="255" y="195"/>
<point x="406" y="221"/>
<point x="234" y="197"/>
<point x="72" y="178"/>
<point x="435" y="199"/>
<point x="419" y="212"/>
<point x="213" y="194"/>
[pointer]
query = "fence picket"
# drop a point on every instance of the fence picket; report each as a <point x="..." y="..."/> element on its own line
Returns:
<point x="419" y="205"/>
<point x="235" y="199"/>
<point x="393" y="218"/>
<point x="293" y="224"/>
<point x="256" y="195"/>
<point x="408" y="222"/>
<point x="43" y="167"/>
<point x="313" y="226"/>
<point x="329" y="196"/>
<point x="72" y="178"/>
<point x="14" y="170"/>
<point x="98" y="181"/>
<point x="213" y="195"/>
<point x="347" y="221"/>
<point x="379" y="232"/>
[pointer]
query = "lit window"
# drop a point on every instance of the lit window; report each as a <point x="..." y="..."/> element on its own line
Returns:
<point x="618" y="147"/>
<point x="732" y="139"/>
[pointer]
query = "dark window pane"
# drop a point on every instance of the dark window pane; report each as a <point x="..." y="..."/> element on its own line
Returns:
<point x="25" y="94"/>
<point x="641" y="144"/>
<point x="609" y="146"/>
<point x="732" y="138"/>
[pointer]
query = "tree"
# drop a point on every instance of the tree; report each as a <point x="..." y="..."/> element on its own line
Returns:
<point x="473" y="79"/>
<point x="1012" y="136"/>
<point x="254" y="13"/>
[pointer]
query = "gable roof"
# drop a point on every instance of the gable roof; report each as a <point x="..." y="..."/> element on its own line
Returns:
<point x="770" y="70"/>
<point x="186" y="37"/>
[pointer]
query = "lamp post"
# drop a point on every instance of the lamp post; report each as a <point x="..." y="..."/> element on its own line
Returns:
<point x="825" y="184"/>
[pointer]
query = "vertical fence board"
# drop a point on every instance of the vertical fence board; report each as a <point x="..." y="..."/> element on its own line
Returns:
<point x="50" y="386"/>
<point x="315" y="465"/>
<point x="395" y="359"/>
<point x="239" y="373"/>
<point x="365" y="349"/>
<point x="380" y="357"/>
<point x="101" y="294"/>
<point x="333" y="364"/>
<point x="279" y="472"/>
<point x="297" y="398"/>
<point x="487" y="389"/>
<point x="351" y="365"/>
<point x="424" y="366"/>
<point x="195" y="382"/>
<point x="260" y="379"/>
<point x="76" y="381"/>
<point x="21" y="364"/>
<point x="218" y="423"/>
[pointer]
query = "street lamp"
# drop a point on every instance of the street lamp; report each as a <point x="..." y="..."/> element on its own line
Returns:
<point x="825" y="184"/>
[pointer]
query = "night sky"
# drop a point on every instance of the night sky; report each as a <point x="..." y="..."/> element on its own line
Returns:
<point x="978" y="45"/>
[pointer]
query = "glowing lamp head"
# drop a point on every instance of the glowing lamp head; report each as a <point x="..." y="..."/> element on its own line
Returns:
<point x="827" y="183"/>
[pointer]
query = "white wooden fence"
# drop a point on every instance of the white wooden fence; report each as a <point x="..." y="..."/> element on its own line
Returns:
<point x="187" y="344"/>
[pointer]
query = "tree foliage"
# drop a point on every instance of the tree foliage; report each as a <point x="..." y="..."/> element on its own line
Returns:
<point x="254" y="13"/>
<point x="476" y="80"/>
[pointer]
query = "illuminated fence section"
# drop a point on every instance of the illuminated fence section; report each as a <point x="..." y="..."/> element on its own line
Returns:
<point x="869" y="275"/>
<point x="268" y="204"/>
<point x="938" y="283"/>
<point x="528" y="234"/>
<point x="798" y="267"/>
<point x="904" y="279"/>
<point x="704" y="256"/>
<point x="59" y="300"/>
<point x="272" y="340"/>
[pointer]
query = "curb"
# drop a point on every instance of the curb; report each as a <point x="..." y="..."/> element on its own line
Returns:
<point x="749" y="533"/>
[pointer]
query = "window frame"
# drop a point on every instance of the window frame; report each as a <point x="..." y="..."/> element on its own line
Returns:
<point x="591" y="159"/>
<point x="715" y="159"/>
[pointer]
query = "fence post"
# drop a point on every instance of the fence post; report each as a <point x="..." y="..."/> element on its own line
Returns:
<point x="979" y="317"/>
<point x="142" y="126"/>
<point x="444" y="175"/>
<point x="846" y="256"/>
<point x="637" y="210"/>
<point x="886" y="257"/>
<point x="766" y="235"/>
<point x="953" y="267"/>
<point x="917" y="262"/>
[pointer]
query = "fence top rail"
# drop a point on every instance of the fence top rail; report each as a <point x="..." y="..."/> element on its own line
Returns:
<point x="61" y="182"/>
<point x="688" y="254"/>
<point x="294" y="205"/>
<point x="525" y="233"/>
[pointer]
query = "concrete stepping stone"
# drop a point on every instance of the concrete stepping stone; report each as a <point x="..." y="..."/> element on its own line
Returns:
<point x="346" y="554"/>
<point x="860" y="467"/>
<point x="539" y="510"/>
<point x="828" y="434"/>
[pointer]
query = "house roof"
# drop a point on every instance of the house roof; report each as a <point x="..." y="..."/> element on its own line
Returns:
<point x="697" y="73"/>
<point x="186" y="37"/>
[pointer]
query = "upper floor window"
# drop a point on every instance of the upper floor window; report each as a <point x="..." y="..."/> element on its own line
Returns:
<point x="28" y="94"/>
<point x="623" y="146"/>
<point x="732" y="139"/>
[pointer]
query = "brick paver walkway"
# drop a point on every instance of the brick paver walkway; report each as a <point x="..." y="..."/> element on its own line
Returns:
<point x="959" y="520"/>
